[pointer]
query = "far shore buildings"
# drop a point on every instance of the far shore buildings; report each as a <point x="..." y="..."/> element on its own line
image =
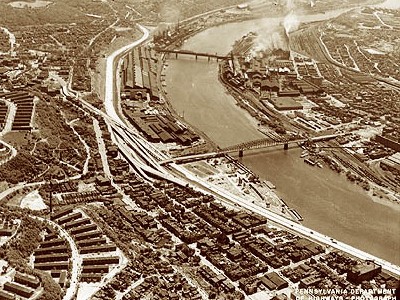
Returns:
<point x="273" y="80"/>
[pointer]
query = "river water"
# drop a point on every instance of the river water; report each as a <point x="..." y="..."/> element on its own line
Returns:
<point x="390" y="4"/>
<point x="328" y="202"/>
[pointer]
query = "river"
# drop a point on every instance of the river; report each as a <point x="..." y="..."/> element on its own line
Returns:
<point x="390" y="4"/>
<point x="328" y="202"/>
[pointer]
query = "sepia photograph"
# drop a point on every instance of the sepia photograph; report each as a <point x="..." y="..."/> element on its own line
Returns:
<point x="199" y="149"/>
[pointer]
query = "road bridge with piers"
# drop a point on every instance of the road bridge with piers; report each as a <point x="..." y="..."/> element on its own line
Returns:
<point x="251" y="145"/>
<point x="260" y="144"/>
<point x="192" y="53"/>
<point x="181" y="176"/>
<point x="267" y="143"/>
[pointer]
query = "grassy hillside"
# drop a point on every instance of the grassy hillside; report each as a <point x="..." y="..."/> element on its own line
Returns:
<point x="61" y="11"/>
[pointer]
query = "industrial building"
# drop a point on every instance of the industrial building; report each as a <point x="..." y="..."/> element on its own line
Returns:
<point x="362" y="272"/>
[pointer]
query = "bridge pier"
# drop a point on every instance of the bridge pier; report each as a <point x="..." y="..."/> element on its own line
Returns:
<point x="196" y="56"/>
<point x="240" y="153"/>
<point x="286" y="146"/>
<point x="176" y="55"/>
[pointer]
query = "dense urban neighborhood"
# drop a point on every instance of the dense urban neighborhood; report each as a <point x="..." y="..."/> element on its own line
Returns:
<point x="108" y="191"/>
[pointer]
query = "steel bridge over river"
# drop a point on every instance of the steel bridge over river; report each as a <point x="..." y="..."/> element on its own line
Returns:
<point x="248" y="146"/>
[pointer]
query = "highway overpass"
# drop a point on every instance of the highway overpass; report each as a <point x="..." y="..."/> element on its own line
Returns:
<point x="144" y="157"/>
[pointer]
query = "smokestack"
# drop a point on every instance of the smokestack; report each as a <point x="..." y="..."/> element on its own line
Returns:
<point x="291" y="22"/>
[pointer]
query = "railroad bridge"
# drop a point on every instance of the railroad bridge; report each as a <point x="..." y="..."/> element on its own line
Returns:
<point x="251" y="145"/>
<point x="256" y="144"/>
<point x="191" y="53"/>
<point x="259" y="144"/>
<point x="267" y="142"/>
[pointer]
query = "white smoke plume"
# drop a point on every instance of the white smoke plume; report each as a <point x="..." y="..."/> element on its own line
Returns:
<point x="290" y="5"/>
<point x="277" y="39"/>
<point x="291" y="22"/>
<point x="170" y="12"/>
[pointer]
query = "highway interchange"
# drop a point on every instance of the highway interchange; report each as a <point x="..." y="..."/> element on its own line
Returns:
<point x="145" y="159"/>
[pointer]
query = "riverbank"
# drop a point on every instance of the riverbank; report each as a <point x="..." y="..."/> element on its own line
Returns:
<point x="267" y="189"/>
<point x="355" y="170"/>
<point x="383" y="199"/>
<point x="327" y="202"/>
<point x="162" y="66"/>
<point x="235" y="178"/>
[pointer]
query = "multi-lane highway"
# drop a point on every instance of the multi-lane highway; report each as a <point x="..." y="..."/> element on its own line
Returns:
<point x="146" y="160"/>
<point x="224" y="195"/>
<point x="111" y="75"/>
